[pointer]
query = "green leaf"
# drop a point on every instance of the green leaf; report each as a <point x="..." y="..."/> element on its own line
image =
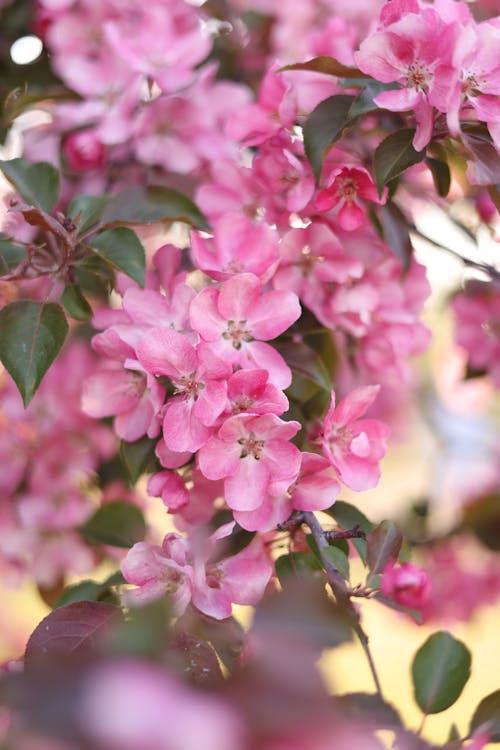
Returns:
<point x="122" y="248"/>
<point x="75" y="303"/>
<point x="31" y="336"/>
<point x="328" y="65"/>
<point x="395" y="233"/>
<point x="296" y="564"/>
<point x="348" y="517"/>
<point x="324" y="126"/>
<point x="339" y="560"/>
<point x="441" y="176"/>
<point x="87" y="210"/>
<point x="38" y="184"/>
<point x="137" y="456"/>
<point x="118" y="524"/>
<point x="486" y="717"/>
<point x="364" y="103"/>
<point x="91" y="591"/>
<point x="440" y="669"/>
<point x="393" y="155"/>
<point x="11" y="254"/>
<point x="382" y="545"/>
<point x="414" y="613"/>
<point x="368" y="707"/>
<point x="305" y="362"/>
<point x="146" y="205"/>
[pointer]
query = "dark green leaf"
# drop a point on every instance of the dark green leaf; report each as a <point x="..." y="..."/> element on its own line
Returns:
<point x="87" y="210"/>
<point x="348" y="517"/>
<point x="368" y="707"/>
<point x="441" y="176"/>
<point x="322" y="343"/>
<point x="324" y="126"/>
<point x="339" y="560"/>
<point x="364" y="103"/>
<point x="396" y="234"/>
<point x="296" y="564"/>
<point x="137" y="456"/>
<point x="11" y="255"/>
<point x="123" y="249"/>
<point x="75" y="303"/>
<point x="146" y="205"/>
<point x="393" y="155"/>
<point x="145" y="632"/>
<point x="85" y="591"/>
<point x="305" y="362"/>
<point x="31" y="335"/>
<point x="328" y="65"/>
<point x="453" y="734"/>
<point x="440" y="669"/>
<point x="382" y="545"/>
<point x="486" y="717"/>
<point x="118" y="524"/>
<point x="38" y="184"/>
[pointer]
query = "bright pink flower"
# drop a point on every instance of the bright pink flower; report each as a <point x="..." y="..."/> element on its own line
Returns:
<point x="406" y="584"/>
<point x="238" y="318"/>
<point x="355" y="446"/>
<point x="171" y="488"/>
<point x="238" y="245"/>
<point x="83" y="151"/>
<point x="254" y="457"/>
<point x="344" y="188"/>
<point x="199" y="378"/>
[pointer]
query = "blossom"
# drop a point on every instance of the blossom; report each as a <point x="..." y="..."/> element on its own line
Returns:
<point x="354" y="446"/>
<point x="199" y="378"/>
<point x="237" y="319"/>
<point x="253" y="455"/>
<point x="406" y="584"/>
<point x="344" y="188"/>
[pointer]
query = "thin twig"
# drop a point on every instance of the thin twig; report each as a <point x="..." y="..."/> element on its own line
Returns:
<point x="486" y="268"/>
<point x="340" y="590"/>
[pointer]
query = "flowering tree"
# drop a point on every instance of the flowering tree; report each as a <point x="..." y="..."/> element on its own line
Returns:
<point x="208" y="279"/>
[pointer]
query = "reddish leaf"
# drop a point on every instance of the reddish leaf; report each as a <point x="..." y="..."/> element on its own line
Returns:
<point x="73" y="629"/>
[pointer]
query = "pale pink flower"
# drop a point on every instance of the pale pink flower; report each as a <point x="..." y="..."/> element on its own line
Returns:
<point x="415" y="51"/>
<point x="317" y="486"/>
<point x="171" y="488"/>
<point x="254" y="457"/>
<point x="354" y="446"/>
<point x="477" y="314"/>
<point x="237" y="319"/>
<point x="406" y="584"/>
<point x="251" y="391"/>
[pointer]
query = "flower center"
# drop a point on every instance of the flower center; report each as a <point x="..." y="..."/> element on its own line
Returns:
<point x="418" y="77"/>
<point x="347" y="189"/>
<point x="237" y="332"/>
<point x="188" y="386"/>
<point x="250" y="446"/>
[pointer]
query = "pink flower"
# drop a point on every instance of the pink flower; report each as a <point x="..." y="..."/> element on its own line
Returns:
<point x="477" y="313"/>
<point x="344" y="188"/>
<point x="199" y="378"/>
<point x="236" y="319"/>
<point x="414" y="51"/>
<point x="406" y="584"/>
<point x="238" y="245"/>
<point x="254" y="457"/>
<point x="83" y="151"/>
<point x="251" y="391"/>
<point x="355" y="446"/>
<point x="317" y="486"/>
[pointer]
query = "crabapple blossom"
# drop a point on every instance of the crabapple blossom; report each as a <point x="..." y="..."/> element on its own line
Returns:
<point x="407" y="584"/>
<point x="200" y="381"/>
<point x="253" y="455"/>
<point x="343" y="189"/>
<point x="477" y="313"/>
<point x="239" y="318"/>
<point x="354" y="446"/>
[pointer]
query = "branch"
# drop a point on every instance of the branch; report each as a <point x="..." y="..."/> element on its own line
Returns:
<point x="486" y="268"/>
<point x="341" y="592"/>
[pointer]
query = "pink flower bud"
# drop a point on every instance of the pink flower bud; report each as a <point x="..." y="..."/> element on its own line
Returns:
<point x="83" y="151"/>
<point x="406" y="584"/>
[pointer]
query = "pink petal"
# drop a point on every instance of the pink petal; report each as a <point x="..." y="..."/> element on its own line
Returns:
<point x="273" y="313"/>
<point x="163" y="351"/>
<point x="182" y="430"/>
<point x="218" y="459"/>
<point x="355" y="404"/>
<point x="238" y="296"/>
<point x="246" y="489"/>
<point x="204" y="314"/>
